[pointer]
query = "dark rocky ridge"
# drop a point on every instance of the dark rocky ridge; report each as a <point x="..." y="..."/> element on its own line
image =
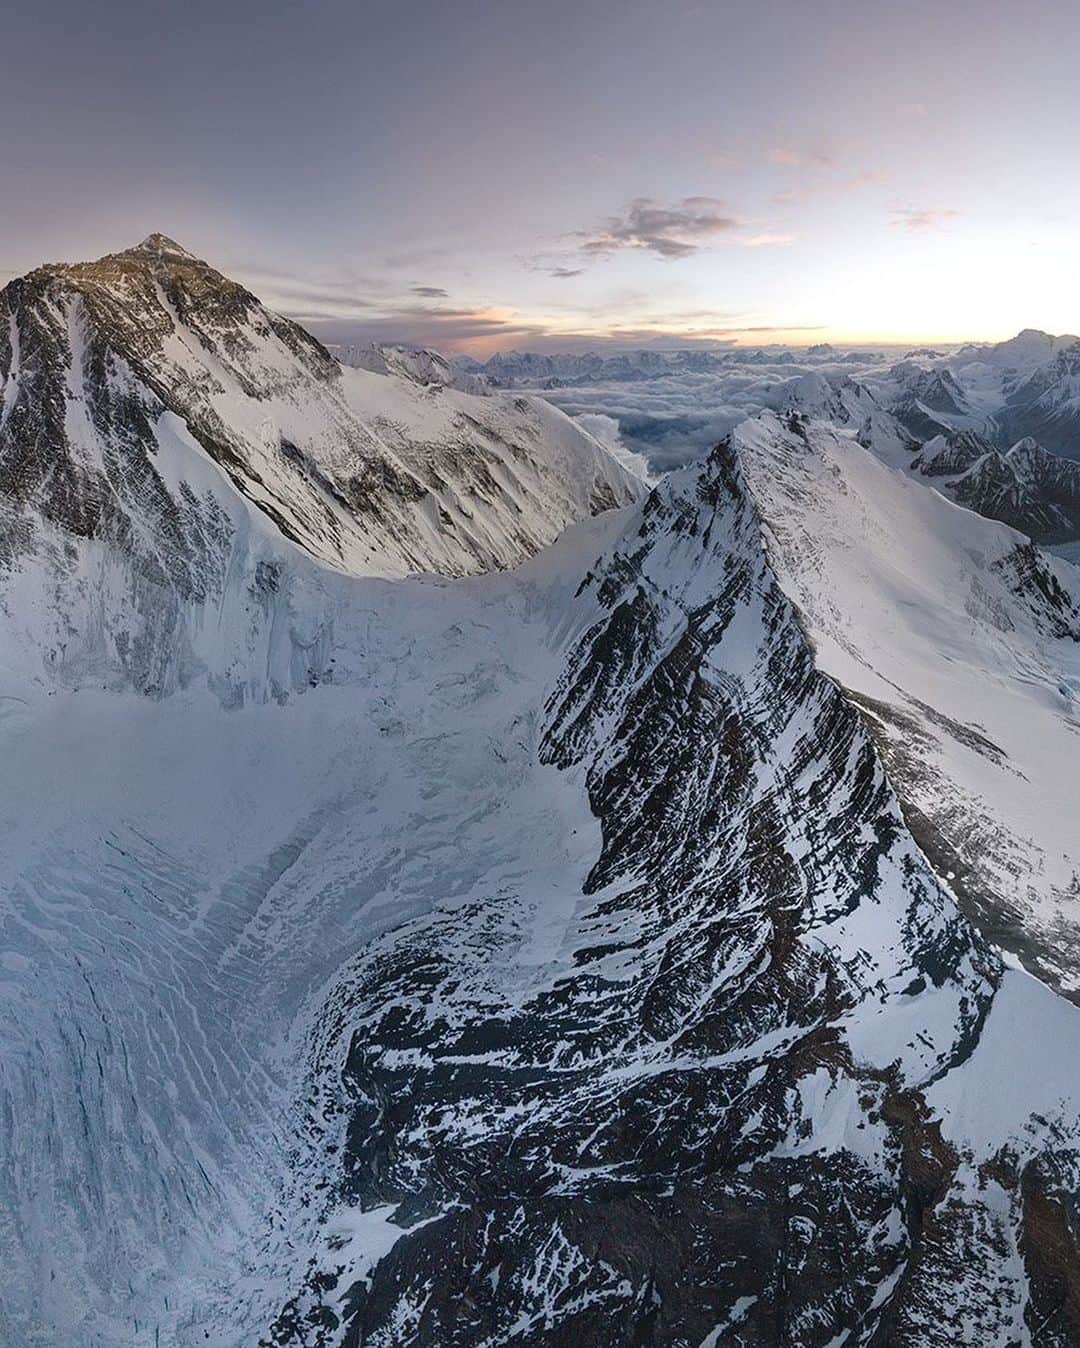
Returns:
<point x="632" y="1154"/>
<point x="1027" y="487"/>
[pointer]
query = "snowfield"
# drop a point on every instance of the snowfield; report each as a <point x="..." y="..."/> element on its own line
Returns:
<point x="183" y="883"/>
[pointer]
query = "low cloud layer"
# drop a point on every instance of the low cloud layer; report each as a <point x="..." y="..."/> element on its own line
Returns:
<point x="676" y="418"/>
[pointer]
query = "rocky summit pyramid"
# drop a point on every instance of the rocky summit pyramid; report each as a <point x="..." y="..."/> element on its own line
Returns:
<point x="547" y="948"/>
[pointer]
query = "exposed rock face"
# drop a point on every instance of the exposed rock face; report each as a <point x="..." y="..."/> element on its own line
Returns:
<point x="1027" y="487"/>
<point x="928" y="402"/>
<point x="950" y="453"/>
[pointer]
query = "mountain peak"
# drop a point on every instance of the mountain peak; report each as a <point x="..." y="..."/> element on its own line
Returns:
<point x="161" y="244"/>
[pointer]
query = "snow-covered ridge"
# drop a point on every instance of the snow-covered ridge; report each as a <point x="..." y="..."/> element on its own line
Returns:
<point x="561" y="968"/>
<point x="961" y="643"/>
<point x="420" y="364"/>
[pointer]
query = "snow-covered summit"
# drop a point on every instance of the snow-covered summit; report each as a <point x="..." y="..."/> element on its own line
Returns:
<point x="161" y="427"/>
<point x="368" y="474"/>
<point x="162" y="246"/>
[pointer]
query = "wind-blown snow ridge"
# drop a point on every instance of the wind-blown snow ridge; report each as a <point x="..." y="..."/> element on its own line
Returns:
<point x="961" y="642"/>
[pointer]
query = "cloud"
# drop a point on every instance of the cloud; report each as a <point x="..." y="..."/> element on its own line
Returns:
<point x="791" y="156"/>
<point x="766" y="240"/>
<point x="680" y="415"/>
<point x="927" y="218"/>
<point x="606" y="430"/>
<point x="340" y="312"/>
<point x="669" y="232"/>
<point x="564" y="273"/>
<point x="483" y="331"/>
<point x="828" y="185"/>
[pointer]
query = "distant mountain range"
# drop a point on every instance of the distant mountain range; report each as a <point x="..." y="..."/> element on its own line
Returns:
<point x="1015" y="405"/>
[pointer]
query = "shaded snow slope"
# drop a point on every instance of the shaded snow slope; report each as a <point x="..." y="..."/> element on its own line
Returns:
<point x="961" y="642"/>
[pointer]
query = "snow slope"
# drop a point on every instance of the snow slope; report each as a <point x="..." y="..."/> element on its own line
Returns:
<point x="181" y="882"/>
<point x="961" y="642"/>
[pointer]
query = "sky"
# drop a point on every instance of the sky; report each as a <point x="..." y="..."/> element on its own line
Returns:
<point x="485" y="175"/>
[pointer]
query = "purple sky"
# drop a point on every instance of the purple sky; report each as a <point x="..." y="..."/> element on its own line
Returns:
<point x="489" y="175"/>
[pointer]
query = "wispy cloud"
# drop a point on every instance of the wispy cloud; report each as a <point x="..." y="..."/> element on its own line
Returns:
<point x="794" y="156"/>
<point x="766" y="240"/>
<point x="669" y="232"/>
<point x="482" y="331"/>
<point x="430" y="292"/>
<point x="825" y="185"/>
<point x="925" y="218"/>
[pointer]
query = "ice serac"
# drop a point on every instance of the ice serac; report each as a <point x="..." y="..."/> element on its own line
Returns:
<point x="960" y="640"/>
